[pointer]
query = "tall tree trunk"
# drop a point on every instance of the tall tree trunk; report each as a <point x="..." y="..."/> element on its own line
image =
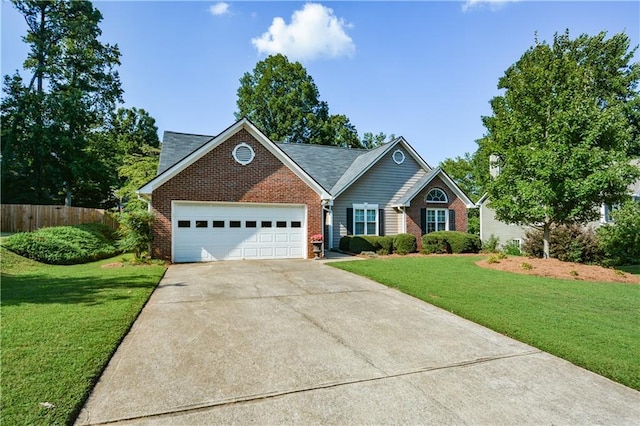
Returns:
<point x="67" y="195"/>
<point x="545" y="241"/>
<point x="40" y="70"/>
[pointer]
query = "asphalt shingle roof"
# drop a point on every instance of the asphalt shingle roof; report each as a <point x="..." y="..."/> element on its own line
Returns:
<point x="176" y="146"/>
<point x="325" y="164"/>
<point x="332" y="167"/>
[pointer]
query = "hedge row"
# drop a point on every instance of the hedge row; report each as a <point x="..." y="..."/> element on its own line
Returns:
<point x="65" y="245"/>
<point x="450" y="242"/>
<point x="401" y="243"/>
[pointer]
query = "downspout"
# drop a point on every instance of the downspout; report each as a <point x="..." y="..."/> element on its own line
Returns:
<point x="404" y="219"/>
<point x="146" y="200"/>
<point x="327" y="207"/>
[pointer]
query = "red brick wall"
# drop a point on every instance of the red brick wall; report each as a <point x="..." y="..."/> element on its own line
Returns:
<point x="418" y="202"/>
<point x="218" y="177"/>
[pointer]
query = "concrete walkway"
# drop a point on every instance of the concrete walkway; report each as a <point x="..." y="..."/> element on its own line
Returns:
<point x="300" y="342"/>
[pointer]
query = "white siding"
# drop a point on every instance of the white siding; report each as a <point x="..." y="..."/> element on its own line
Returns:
<point x="383" y="184"/>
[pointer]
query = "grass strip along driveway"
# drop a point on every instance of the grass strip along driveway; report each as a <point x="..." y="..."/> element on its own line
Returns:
<point x="60" y="326"/>
<point x="593" y="325"/>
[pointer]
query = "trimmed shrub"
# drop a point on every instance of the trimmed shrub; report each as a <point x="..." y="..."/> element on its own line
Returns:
<point x="65" y="245"/>
<point x="386" y="245"/>
<point x="450" y="242"/>
<point x="620" y="241"/>
<point x="344" y="242"/>
<point x="435" y="242"/>
<point x="361" y="243"/>
<point x="404" y="243"/>
<point x="569" y="243"/>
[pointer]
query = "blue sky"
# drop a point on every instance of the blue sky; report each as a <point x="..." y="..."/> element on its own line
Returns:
<point x="424" y="70"/>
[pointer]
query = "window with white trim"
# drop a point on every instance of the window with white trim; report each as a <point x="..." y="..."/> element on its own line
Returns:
<point x="365" y="219"/>
<point x="437" y="220"/>
<point x="437" y="195"/>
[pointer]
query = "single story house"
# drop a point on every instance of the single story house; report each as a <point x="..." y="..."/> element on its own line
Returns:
<point x="507" y="232"/>
<point x="239" y="195"/>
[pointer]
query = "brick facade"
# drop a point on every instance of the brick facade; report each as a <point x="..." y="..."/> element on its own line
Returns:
<point x="418" y="203"/>
<point x="218" y="177"/>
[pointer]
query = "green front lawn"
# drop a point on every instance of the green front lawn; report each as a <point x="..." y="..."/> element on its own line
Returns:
<point x="593" y="325"/>
<point x="60" y="326"/>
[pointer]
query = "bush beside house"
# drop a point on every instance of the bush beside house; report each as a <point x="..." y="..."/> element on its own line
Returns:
<point x="620" y="241"/>
<point x="404" y="243"/>
<point x="572" y="243"/>
<point x="450" y="242"/>
<point x="388" y="244"/>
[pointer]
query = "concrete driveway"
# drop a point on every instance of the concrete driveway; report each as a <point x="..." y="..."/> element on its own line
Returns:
<point x="300" y="342"/>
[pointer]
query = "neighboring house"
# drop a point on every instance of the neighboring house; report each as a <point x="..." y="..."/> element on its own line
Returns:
<point x="239" y="195"/>
<point x="490" y="226"/>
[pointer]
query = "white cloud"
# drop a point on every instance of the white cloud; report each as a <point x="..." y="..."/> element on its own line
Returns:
<point x="220" y="8"/>
<point x="314" y="32"/>
<point x="493" y="4"/>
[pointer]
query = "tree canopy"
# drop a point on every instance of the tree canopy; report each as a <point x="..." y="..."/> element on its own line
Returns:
<point x="563" y="131"/>
<point x="47" y="123"/>
<point x="283" y="101"/>
<point x="62" y="139"/>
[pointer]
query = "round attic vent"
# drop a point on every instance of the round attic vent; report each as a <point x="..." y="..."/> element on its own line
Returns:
<point x="243" y="153"/>
<point x="398" y="156"/>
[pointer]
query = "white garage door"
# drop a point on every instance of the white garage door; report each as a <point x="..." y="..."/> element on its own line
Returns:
<point x="205" y="231"/>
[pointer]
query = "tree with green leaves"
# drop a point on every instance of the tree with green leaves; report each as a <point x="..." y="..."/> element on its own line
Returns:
<point x="371" y="140"/>
<point x="469" y="175"/>
<point x="464" y="173"/>
<point x="283" y="101"/>
<point x="47" y="124"/>
<point x="620" y="240"/>
<point x="131" y="139"/>
<point x="562" y="131"/>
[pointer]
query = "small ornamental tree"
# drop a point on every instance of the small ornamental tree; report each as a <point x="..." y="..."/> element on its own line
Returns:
<point x="135" y="229"/>
<point x="562" y="131"/>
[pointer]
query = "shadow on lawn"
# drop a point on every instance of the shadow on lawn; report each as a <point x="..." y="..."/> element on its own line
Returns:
<point x="43" y="288"/>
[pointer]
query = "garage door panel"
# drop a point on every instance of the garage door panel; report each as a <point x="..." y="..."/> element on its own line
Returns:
<point x="241" y="231"/>
<point x="282" y="252"/>
<point x="282" y="238"/>
<point x="266" y="251"/>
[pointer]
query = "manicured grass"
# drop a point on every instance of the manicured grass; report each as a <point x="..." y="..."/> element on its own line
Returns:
<point x="60" y="326"/>
<point x="593" y="325"/>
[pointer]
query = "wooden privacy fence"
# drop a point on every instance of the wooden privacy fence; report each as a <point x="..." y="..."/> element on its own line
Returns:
<point x="27" y="217"/>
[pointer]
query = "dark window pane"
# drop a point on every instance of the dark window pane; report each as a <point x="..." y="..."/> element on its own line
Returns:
<point x="184" y="224"/>
<point x="218" y="223"/>
<point x="250" y="224"/>
<point x="234" y="224"/>
<point x="265" y="224"/>
<point x="201" y="223"/>
<point x="281" y="224"/>
<point x="296" y="224"/>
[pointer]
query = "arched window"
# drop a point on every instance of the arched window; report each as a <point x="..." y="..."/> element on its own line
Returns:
<point x="437" y="195"/>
